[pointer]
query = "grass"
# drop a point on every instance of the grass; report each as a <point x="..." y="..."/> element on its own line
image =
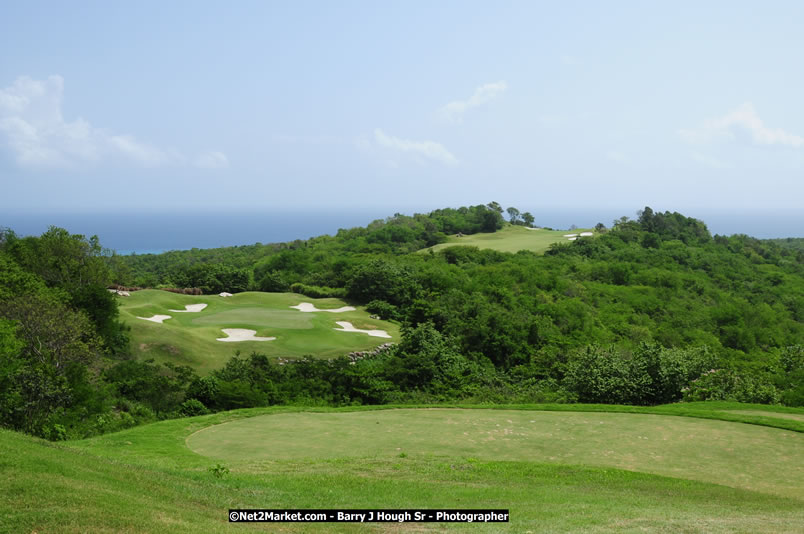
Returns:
<point x="148" y="479"/>
<point x="510" y="238"/>
<point x="694" y="449"/>
<point x="191" y="338"/>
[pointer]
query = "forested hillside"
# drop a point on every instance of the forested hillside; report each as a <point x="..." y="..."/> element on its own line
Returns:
<point x="650" y="311"/>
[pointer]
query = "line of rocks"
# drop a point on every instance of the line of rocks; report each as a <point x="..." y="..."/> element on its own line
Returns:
<point x="360" y="355"/>
<point x="353" y="356"/>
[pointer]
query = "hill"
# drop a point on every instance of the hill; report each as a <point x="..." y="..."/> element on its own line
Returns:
<point x="555" y="471"/>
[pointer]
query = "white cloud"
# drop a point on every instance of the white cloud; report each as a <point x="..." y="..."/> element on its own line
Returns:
<point x="134" y="150"/>
<point x="741" y="121"/>
<point x="426" y="149"/>
<point x="33" y="127"/>
<point x="455" y="110"/>
<point x="212" y="160"/>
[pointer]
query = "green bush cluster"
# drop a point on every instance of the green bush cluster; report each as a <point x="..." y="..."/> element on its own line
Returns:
<point x="318" y="292"/>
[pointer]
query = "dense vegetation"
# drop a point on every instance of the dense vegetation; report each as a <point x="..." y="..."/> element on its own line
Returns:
<point x="654" y="310"/>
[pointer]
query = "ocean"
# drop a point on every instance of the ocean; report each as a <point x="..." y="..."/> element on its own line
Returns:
<point x="144" y="233"/>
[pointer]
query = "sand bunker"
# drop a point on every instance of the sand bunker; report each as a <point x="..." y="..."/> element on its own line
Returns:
<point x="346" y="326"/>
<point x="586" y="234"/>
<point x="225" y="294"/>
<point x="572" y="238"/>
<point x="191" y="308"/>
<point x="570" y="235"/>
<point x="307" y="307"/>
<point x="242" y="334"/>
<point x="156" y="318"/>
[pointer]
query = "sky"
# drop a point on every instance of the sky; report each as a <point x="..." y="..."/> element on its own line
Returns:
<point x="256" y="106"/>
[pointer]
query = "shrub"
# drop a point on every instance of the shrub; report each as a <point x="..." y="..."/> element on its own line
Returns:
<point x="725" y="384"/>
<point x="192" y="407"/>
<point x="318" y="292"/>
<point x="383" y="309"/>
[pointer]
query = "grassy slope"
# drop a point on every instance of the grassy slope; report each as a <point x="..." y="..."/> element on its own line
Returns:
<point x="510" y="239"/>
<point x="191" y="338"/>
<point x="147" y="480"/>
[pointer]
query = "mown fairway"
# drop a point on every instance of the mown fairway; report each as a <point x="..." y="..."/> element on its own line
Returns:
<point x="560" y="471"/>
<point x="696" y="449"/>
<point x="510" y="239"/>
<point x="191" y="338"/>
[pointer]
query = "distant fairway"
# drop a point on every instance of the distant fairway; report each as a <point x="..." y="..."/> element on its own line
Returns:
<point x="742" y="456"/>
<point x="510" y="239"/>
<point x="191" y="338"/>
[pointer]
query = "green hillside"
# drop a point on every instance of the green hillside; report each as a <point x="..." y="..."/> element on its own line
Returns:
<point x="192" y="338"/>
<point x="576" y="471"/>
<point x="512" y="238"/>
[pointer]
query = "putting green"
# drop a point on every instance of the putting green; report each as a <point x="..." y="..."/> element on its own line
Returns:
<point x="743" y="456"/>
<point x="280" y="319"/>
<point x="191" y="338"/>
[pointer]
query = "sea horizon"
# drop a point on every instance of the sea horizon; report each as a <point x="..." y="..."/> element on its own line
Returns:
<point x="157" y="232"/>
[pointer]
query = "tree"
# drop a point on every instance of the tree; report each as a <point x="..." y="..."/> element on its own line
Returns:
<point x="381" y="279"/>
<point x="77" y="266"/>
<point x="494" y="206"/>
<point x="57" y="346"/>
<point x="62" y="260"/>
<point x="513" y="214"/>
<point x="528" y="219"/>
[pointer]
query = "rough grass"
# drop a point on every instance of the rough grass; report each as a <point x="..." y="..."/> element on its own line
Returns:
<point x="191" y="338"/>
<point x="510" y="239"/>
<point x="147" y="480"/>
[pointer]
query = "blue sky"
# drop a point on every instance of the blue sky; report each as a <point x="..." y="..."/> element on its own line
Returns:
<point x="170" y="106"/>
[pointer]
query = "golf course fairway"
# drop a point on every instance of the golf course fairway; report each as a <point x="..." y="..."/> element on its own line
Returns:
<point x="192" y="338"/>
<point x="511" y="238"/>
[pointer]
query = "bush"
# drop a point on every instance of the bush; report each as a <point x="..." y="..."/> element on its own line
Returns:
<point x="318" y="292"/>
<point x="55" y="432"/>
<point x="382" y="309"/>
<point x="192" y="407"/>
<point x="724" y="384"/>
<point x="650" y="375"/>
